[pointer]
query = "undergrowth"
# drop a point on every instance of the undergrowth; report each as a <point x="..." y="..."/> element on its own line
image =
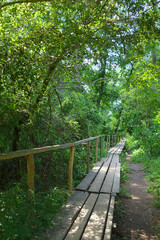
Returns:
<point x="21" y="219"/>
<point x="125" y="170"/>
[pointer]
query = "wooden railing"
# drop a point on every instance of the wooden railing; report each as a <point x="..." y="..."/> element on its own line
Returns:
<point x="29" y="154"/>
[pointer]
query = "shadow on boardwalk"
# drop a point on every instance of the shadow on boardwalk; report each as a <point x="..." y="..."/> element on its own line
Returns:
<point x="139" y="219"/>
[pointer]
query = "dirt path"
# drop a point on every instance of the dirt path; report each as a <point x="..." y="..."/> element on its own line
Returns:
<point x="139" y="219"/>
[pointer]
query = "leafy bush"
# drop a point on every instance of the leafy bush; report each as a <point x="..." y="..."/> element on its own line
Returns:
<point x="137" y="155"/>
<point x="153" y="176"/>
<point x="132" y="143"/>
<point x="22" y="219"/>
<point x="124" y="168"/>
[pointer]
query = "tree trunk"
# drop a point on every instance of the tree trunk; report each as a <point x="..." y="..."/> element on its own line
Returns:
<point x="103" y="67"/>
<point x="16" y="132"/>
<point x="119" y="119"/>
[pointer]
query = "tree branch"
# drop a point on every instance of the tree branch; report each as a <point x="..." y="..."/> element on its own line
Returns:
<point x="23" y="1"/>
<point x="60" y="103"/>
<point x="93" y="19"/>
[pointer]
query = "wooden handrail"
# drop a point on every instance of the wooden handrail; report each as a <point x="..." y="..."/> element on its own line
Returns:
<point x="21" y="153"/>
<point x="29" y="154"/>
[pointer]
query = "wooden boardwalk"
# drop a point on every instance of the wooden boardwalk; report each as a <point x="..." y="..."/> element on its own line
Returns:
<point x="88" y="213"/>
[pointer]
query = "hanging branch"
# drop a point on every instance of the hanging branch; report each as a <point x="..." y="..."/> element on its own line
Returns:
<point x="24" y="1"/>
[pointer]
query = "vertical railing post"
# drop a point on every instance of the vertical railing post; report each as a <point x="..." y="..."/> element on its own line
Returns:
<point x="112" y="140"/>
<point x="106" y="142"/>
<point x="97" y="139"/>
<point x="71" y="159"/>
<point x="109" y="141"/>
<point x="30" y="173"/>
<point x="101" y="145"/>
<point x="88" y="156"/>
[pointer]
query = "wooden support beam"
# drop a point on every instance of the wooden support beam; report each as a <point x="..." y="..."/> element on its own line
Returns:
<point x="101" y="146"/>
<point x="88" y="156"/>
<point x="30" y="171"/>
<point x="71" y="168"/>
<point x="97" y="140"/>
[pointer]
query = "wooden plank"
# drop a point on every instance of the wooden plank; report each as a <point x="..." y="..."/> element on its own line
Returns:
<point x="95" y="226"/>
<point x="96" y="153"/>
<point x="108" y="182"/>
<point x="70" y="170"/>
<point x="79" y="224"/>
<point x="88" y="156"/>
<point x="116" y="182"/>
<point x="101" y="146"/>
<point x="21" y="153"/>
<point x="84" y="185"/>
<point x="66" y="216"/>
<point x="30" y="174"/>
<point x="108" y="229"/>
<point x="113" y="149"/>
<point x="96" y="185"/>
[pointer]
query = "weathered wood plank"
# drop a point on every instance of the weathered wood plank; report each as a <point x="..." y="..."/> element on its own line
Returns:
<point x="116" y="182"/>
<point x="21" y="153"/>
<point x="108" y="229"/>
<point x="30" y="173"/>
<point x="95" y="226"/>
<point x="97" y="183"/>
<point x="86" y="182"/>
<point x="79" y="224"/>
<point x="114" y="149"/>
<point x="108" y="182"/>
<point x="88" y="156"/>
<point x="70" y="169"/>
<point x="96" y="152"/>
<point x="66" y="216"/>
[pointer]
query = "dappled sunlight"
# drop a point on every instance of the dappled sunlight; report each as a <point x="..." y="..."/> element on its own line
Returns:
<point x="136" y="198"/>
<point x="93" y="232"/>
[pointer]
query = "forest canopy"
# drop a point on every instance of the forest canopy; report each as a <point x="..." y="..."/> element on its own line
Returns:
<point x="54" y="50"/>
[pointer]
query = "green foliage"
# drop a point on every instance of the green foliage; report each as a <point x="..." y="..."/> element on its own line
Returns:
<point x="124" y="193"/>
<point x="125" y="170"/>
<point x="153" y="175"/>
<point x="22" y="219"/>
<point x="71" y="70"/>
<point x="138" y="155"/>
<point x="131" y="143"/>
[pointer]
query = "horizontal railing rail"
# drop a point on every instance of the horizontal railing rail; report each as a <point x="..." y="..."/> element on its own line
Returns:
<point x="29" y="154"/>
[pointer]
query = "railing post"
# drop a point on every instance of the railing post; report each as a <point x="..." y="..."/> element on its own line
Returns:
<point x="101" y="146"/>
<point x="88" y="156"/>
<point x="108" y="141"/>
<point x="112" y="140"/>
<point x="97" y="148"/>
<point x="30" y="171"/>
<point x="71" y="159"/>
